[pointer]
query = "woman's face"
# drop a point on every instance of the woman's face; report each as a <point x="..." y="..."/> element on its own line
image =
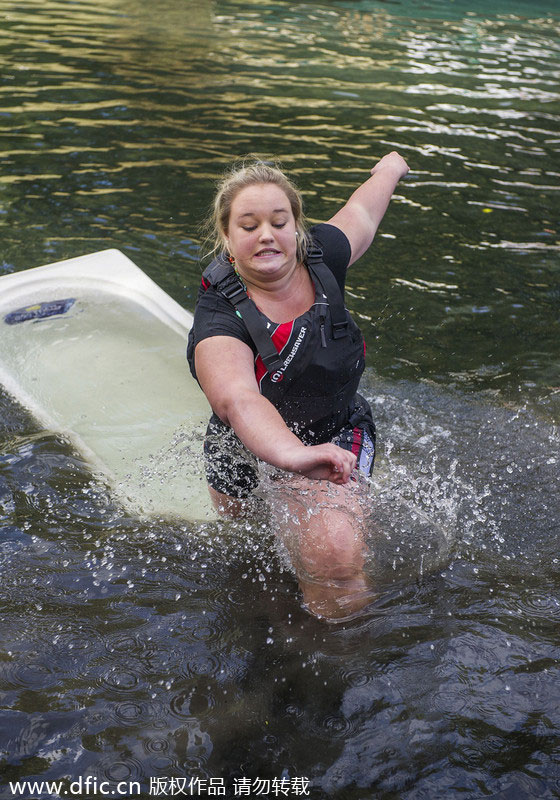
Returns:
<point x="261" y="233"/>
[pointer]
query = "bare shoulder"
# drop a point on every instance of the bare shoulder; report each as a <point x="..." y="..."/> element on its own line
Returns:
<point x="222" y="363"/>
<point x="222" y="353"/>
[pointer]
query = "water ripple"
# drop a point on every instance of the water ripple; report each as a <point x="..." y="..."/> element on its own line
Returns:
<point x="192" y="702"/>
<point x="538" y="606"/>
<point x="33" y="675"/>
<point x="120" y="681"/>
<point x="120" y="769"/>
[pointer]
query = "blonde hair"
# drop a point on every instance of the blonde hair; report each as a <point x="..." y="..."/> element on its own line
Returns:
<point x="238" y="178"/>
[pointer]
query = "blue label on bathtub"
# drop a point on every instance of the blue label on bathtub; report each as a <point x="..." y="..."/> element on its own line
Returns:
<point x="39" y="311"/>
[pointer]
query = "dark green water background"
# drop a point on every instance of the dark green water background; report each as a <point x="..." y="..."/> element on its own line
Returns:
<point x="131" y="651"/>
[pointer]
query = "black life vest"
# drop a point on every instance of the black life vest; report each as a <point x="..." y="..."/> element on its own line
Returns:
<point x="308" y="368"/>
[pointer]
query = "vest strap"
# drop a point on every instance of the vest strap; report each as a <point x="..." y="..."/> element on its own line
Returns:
<point x="221" y="275"/>
<point x="327" y="281"/>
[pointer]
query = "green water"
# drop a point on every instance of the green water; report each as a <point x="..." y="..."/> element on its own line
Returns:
<point x="135" y="652"/>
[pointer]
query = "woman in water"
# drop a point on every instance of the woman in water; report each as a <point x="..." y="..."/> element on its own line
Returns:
<point x="279" y="359"/>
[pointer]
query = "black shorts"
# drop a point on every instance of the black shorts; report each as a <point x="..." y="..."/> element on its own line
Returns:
<point x="233" y="470"/>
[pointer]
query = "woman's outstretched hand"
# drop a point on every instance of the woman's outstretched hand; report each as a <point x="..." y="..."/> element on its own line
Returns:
<point x="393" y="161"/>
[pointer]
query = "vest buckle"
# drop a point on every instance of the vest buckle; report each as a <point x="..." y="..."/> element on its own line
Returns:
<point x="233" y="290"/>
<point x="340" y="329"/>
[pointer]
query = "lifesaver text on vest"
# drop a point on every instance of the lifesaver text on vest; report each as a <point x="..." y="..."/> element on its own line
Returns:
<point x="279" y="374"/>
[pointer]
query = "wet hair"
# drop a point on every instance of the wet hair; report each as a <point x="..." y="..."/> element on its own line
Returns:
<point x="251" y="174"/>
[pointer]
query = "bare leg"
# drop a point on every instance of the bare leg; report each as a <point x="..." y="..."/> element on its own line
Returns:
<point x="227" y="506"/>
<point x="322" y="527"/>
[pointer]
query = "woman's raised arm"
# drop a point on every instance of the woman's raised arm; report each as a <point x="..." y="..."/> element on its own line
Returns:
<point x="359" y="218"/>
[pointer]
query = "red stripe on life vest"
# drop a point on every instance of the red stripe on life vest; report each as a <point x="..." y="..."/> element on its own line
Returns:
<point x="280" y="337"/>
<point x="357" y="441"/>
<point x="260" y="369"/>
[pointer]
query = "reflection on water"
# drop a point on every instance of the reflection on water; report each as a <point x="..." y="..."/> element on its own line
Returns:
<point x="142" y="651"/>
